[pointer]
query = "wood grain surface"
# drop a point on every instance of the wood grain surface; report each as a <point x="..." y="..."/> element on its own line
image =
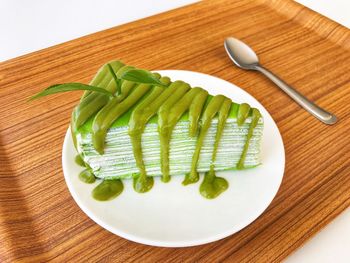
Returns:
<point x="39" y="219"/>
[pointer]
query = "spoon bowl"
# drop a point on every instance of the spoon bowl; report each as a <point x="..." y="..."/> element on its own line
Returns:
<point x="240" y="53"/>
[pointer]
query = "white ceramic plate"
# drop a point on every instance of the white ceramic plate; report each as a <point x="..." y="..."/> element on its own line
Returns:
<point x="171" y="215"/>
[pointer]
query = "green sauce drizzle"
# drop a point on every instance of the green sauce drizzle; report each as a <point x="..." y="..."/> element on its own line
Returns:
<point x="142" y="183"/>
<point x="107" y="190"/>
<point x="87" y="176"/>
<point x="138" y="120"/>
<point x="243" y="113"/>
<point x="255" y="119"/>
<point x="111" y="112"/>
<point x="195" y="96"/>
<point x="165" y="128"/>
<point x="211" y="110"/>
<point x="212" y="186"/>
<point x="79" y="161"/>
<point x="92" y="102"/>
<point x="196" y="108"/>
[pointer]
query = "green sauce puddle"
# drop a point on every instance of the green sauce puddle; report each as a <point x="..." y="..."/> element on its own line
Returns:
<point x="87" y="176"/>
<point x="107" y="190"/>
<point x="212" y="186"/>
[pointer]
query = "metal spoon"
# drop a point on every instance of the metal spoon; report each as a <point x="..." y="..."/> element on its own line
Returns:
<point x="244" y="57"/>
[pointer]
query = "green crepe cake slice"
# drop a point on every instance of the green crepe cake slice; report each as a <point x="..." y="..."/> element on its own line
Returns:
<point x="174" y="129"/>
<point x="134" y="124"/>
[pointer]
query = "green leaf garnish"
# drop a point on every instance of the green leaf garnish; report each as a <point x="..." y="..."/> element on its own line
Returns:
<point x="57" y="88"/>
<point x="141" y="76"/>
<point x="117" y="81"/>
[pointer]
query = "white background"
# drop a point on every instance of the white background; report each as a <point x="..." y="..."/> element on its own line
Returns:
<point x="27" y="26"/>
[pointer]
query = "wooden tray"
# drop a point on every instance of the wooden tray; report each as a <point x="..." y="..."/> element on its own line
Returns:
<point x="41" y="222"/>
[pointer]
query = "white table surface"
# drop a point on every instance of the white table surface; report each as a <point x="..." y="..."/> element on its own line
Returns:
<point x="27" y="26"/>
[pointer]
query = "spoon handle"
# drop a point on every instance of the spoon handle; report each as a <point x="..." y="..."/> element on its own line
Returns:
<point x="315" y="110"/>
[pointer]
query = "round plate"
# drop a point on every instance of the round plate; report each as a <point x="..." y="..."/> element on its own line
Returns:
<point x="173" y="215"/>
